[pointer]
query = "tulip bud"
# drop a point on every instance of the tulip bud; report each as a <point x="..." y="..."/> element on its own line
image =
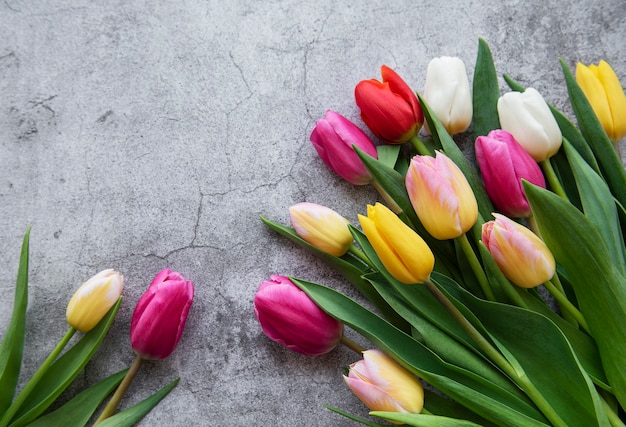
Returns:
<point x="160" y="315"/>
<point x="322" y="227"/>
<point x="333" y="137"/>
<point x="503" y="163"/>
<point x="288" y="316"/>
<point x="383" y="385"/>
<point x="522" y="256"/>
<point x="93" y="300"/>
<point x="402" y="251"/>
<point x="447" y="92"/>
<point x="529" y="119"/>
<point x="441" y="196"/>
<point x="606" y="96"/>
<point x="389" y="108"/>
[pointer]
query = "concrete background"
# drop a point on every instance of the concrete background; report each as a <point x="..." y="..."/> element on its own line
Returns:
<point x="144" y="135"/>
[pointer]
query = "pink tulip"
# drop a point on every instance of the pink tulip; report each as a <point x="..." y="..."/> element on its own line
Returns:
<point x="160" y="315"/>
<point x="289" y="317"/>
<point x="333" y="137"/>
<point x="503" y="163"/>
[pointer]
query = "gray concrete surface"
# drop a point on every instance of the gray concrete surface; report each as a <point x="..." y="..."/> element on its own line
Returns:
<point x="143" y="135"/>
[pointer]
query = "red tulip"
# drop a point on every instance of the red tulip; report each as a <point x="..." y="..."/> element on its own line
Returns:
<point x="503" y="163"/>
<point x="160" y="315"/>
<point x="390" y="109"/>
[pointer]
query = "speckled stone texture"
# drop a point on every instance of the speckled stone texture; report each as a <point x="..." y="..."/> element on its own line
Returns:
<point x="144" y="135"/>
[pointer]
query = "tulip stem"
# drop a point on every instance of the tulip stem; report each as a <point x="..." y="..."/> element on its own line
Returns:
<point x="517" y="375"/>
<point x="552" y="179"/>
<point x="32" y="383"/>
<point x="420" y="146"/>
<point x="352" y="345"/>
<point x="360" y="255"/>
<point x="476" y="267"/>
<point x="566" y="305"/>
<point x="121" y="391"/>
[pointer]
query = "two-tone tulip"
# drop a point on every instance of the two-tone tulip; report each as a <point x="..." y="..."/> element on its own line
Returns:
<point x="160" y="315"/>
<point x="521" y="255"/>
<point x="93" y="299"/>
<point x="529" y="119"/>
<point x="383" y="385"/>
<point x="441" y="196"/>
<point x="333" y="138"/>
<point x="289" y="317"/>
<point x="389" y="108"/>
<point x="403" y="252"/>
<point x="606" y="96"/>
<point x="447" y="92"/>
<point x="322" y="227"/>
<point x="503" y="163"/>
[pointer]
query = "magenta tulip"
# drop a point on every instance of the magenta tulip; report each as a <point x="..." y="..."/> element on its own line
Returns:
<point x="289" y="317"/>
<point x="160" y="315"/>
<point x="333" y="137"/>
<point x="503" y="163"/>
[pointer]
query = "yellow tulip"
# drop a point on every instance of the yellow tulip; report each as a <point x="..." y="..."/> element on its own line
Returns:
<point x="93" y="299"/>
<point x="606" y="96"/>
<point x="402" y="251"/>
<point x="322" y="227"/>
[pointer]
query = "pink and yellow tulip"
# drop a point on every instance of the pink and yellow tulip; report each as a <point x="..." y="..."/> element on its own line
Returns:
<point x="322" y="227"/>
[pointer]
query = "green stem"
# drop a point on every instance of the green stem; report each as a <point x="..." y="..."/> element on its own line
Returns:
<point x="121" y="391"/>
<point x="420" y="146"/>
<point x="360" y="255"/>
<point x="513" y="293"/>
<point x="352" y="345"/>
<point x="564" y="312"/>
<point x="610" y="410"/>
<point x="566" y="305"/>
<point x="555" y="185"/>
<point x="476" y="267"/>
<point x="519" y="378"/>
<point x="32" y="383"/>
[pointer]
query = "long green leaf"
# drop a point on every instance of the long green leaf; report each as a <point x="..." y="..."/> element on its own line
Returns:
<point x="485" y="93"/>
<point x="81" y="407"/>
<point x="438" y="405"/>
<point x="62" y="372"/>
<point x="467" y="388"/>
<point x="129" y="417"/>
<point x="423" y="420"/>
<point x="12" y="347"/>
<point x="599" y="287"/>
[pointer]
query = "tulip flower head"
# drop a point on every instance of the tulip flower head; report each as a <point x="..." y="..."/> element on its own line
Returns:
<point x="447" y="92"/>
<point x="288" y="316"/>
<point x="522" y="256"/>
<point x="322" y="227"/>
<point x="529" y="119"/>
<point x="503" y="163"/>
<point x="333" y="138"/>
<point x="93" y="299"/>
<point x="389" y="108"/>
<point x="160" y="315"/>
<point x="383" y="385"/>
<point x="441" y="196"/>
<point x="606" y="96"/>
<point x="402" y="251"/>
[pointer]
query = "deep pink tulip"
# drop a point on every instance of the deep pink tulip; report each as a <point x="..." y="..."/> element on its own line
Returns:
<point x="503" y="163"/>
<point x="289" y="317"/>
<point x="160" y="315"/>
<point x="333" y="137"/>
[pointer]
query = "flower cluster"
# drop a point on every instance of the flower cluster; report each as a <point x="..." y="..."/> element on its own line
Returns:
<point x="156" y="328"/>
<point x="452" y="257"/>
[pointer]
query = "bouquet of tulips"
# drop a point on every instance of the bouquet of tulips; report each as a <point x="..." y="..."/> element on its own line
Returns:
<point x="502" y="286"/>
<point x="156" y="328"/>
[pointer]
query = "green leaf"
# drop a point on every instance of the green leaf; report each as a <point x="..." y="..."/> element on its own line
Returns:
<point x="355" y="418"/>
<point x="608" y="160"/>
<point x="452" y="150"/>
<point x="485" y="92"/>
<point x="467" y="388"/>
<point x="12" y="346"/>
<point x="599" y="287"/>
<point x="79" y="409"/>
<point x="423" y="420"/>
<point x="388" y="154"/>
<point x="438" y="405"/>
<point x="63" y="371"/>
<point x="129" y="417"/>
